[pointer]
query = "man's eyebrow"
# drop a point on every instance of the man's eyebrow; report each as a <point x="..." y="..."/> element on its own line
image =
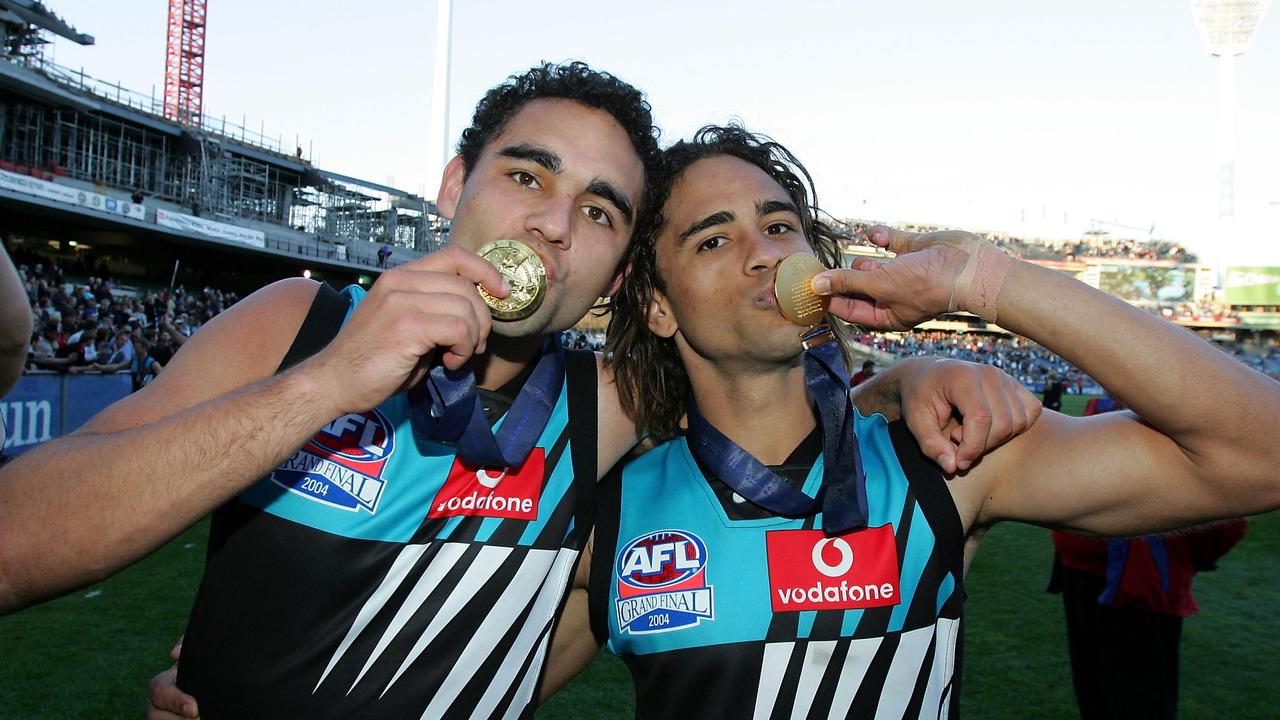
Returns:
<point x="769" y="207"/>
<point x="616" y="197"/>
<point x="533" y="153"/>
<point x="723" y="217"/>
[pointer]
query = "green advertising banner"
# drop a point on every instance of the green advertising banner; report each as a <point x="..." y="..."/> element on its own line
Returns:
<point x="1253" y="285"/>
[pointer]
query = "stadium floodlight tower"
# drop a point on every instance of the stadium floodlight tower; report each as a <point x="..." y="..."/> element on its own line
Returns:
<point x="438" y="152"/>
<point x="1226" y="27"/>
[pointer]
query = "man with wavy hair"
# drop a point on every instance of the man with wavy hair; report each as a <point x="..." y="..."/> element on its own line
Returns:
<point x="787" y="556"/>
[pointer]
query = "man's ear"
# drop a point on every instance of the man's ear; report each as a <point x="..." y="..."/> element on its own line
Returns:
<point x="658" y="316"/>
<point x="455" y="174"/>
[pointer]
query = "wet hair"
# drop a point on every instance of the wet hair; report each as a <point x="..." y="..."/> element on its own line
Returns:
<point x="653" y="386"/>
<point x="574" y="81"/>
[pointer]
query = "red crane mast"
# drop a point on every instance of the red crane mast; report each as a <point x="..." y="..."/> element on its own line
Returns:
<point x="184" y="61"/>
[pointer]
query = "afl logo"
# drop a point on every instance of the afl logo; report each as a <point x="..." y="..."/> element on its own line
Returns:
<point x="661" y="559"/>
<point x="361" y="437"/>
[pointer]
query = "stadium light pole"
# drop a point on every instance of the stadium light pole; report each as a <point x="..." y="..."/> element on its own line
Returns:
<point x="438" y="152"/>
<point x="1226" y="28"/>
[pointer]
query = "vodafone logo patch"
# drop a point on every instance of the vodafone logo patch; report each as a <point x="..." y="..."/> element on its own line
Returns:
<point x="810" y="571"/>
<point x="492" y="492"/>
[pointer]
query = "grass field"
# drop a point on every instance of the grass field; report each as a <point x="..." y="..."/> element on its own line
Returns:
<point x="90" y="655"/>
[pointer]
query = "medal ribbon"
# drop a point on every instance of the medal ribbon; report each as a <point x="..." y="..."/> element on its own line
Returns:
<point x="843" y="495"/>
<point x="445" y="407"/>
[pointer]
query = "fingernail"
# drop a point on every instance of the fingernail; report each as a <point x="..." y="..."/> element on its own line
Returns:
<point x="821" y="285"/>
<point x="506" y="286"/>
<point x="189" y="710"/>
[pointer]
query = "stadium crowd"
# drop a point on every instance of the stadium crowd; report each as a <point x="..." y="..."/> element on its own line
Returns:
<point x="1062" y="250"/>
<point x="1029" y="363"/>
<point x="1033" y="365"/>
<point x="92" y="325"/>
<point x="85" y="323"/>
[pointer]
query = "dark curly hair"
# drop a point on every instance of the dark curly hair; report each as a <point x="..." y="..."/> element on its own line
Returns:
<point x="569" y="81"/>
<point x="652" y="384"/>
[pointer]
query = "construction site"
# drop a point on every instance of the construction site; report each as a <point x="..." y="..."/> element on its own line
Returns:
<point x="161" y="191"/>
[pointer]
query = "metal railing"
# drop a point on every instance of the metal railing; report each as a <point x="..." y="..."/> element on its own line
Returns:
<point x="80" y="81"/>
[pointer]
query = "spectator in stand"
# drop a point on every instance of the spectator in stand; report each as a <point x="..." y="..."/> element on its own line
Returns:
<point x="1124" y="601"/>
<point x="163" y="348"/>
<point x="122" y="353"/>
<point x="145" y="367"/>
<point x="868" y="370"/>
<point x="384" y="252"/>
<point x="1053" y="393"/>
<point x="44" y="343"/>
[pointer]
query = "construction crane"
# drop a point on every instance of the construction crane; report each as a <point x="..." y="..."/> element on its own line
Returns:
<point x="184" y="61"/>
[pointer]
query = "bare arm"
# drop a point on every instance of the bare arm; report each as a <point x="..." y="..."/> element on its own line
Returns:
<point x="573" y="645"/>
<point x="15" y="324"/>
<point x="138" y="471"/>
<point x="618" y="433"/>
<point x="217" y="419"/>
<point x="1204" y="448"/>
<point x="956" y="410"/>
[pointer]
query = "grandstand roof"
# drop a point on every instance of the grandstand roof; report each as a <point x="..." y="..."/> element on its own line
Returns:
<point x="32" y="12"/>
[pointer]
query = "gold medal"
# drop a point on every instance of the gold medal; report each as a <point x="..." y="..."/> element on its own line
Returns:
<point x="796" y="300"/>
<point x="523" y="269"/>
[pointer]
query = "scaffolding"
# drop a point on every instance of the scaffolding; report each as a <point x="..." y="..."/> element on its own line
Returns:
<point x="340" y="209"/>
<point x="210" y="167"/>
<point x="195" y="171"/>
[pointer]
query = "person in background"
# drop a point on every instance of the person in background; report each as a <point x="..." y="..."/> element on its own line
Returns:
<point x="1053" y="391"/>
<point x="868" y="370"/>
<point x="1124" y="601"/>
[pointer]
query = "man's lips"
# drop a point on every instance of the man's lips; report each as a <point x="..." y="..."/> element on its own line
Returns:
<point x="766" y="299"/>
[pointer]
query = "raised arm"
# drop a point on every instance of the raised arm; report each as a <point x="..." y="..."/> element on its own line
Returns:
<point x="1203" y="449"/>
<point x="79" y="508"/>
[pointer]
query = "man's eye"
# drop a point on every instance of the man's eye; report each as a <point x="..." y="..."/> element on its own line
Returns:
<point x="597" y="215"/>
<point x="711" y="243"/>
<point x="524" y="179"/>
<point x="778" y="228"/>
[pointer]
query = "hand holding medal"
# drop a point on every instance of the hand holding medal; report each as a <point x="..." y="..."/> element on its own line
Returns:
<point x="445" y="406"/>
<point x="524" y="271"/>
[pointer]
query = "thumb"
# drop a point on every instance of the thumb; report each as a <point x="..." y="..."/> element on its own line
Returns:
<point x="844" y="281"/>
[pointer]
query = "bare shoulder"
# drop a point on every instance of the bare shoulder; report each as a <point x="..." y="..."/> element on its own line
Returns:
<point x="241" y="345"/>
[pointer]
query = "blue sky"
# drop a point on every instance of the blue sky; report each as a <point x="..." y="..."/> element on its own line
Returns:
<point x="991" y="114"/>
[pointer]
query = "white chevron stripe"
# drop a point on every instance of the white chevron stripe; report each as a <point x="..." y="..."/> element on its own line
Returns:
<point x="817" y="656"/>
<point x="529" y="685"/>
<point x="505" y="611"/>
<point x="487" y="561"/>
<point x="440" y="565"/>
<point x="904" y="671"/>
<point x="944" y="665"/>
<point x="861" y="653"/>
<point x="543" y="607"/>
<point x="404" y="562"/>
<point x="772" y="668"/>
